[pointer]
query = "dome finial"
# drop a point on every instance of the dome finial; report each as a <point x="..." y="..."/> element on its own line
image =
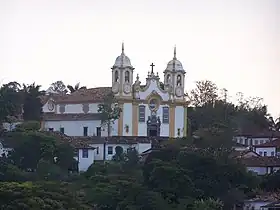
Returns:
<point x="174" y="53"/>
<point x="122" y="48"/>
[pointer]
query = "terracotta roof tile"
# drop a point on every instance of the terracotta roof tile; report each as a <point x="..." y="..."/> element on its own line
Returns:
<point x="274" y="143"/>
<point x="258" y="134"/>
<point x="240" y="154"/>
<point x="84" y="96"/>
<point x="70" y="117"/>
<point x="260" y="161"/>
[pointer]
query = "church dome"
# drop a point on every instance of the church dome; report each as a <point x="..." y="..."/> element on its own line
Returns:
<point x="122" y="60"/>
<point x="174" y="64"/>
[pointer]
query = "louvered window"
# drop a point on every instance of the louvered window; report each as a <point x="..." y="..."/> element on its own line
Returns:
<point x="142" y="113"/>
<point x="165" y="115"/>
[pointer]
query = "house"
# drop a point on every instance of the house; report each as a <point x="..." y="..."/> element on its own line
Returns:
<point x="256" y="138"/>
<point x="153" y="109"/>
<point x="264" y="201"/>
<point x="261" y="165"/>
<point x="269" y="148"/>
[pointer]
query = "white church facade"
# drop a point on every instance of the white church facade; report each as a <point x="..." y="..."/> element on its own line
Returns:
<point x="152" y="109"/>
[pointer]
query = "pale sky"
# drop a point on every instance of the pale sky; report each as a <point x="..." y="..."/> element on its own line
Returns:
<point x="234" y="43"/>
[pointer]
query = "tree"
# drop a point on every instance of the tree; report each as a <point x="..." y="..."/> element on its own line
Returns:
<point x="10" y="101"/>
<point x="73" y="89"/>
<point x="44" y="195"/>
<point x="109" y="111"/>
<point x="58" y="87"/>
<point x="208" y="204"/>
<point x="119" y="155"/>
<point x="205" y="92"/>
<point x="274" y="125"/>
<point x="31" y="147"/>
<point x="32" y="105"/>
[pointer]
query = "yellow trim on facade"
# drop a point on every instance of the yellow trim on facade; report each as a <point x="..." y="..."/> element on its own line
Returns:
<point x="172" y="121"/>
<point x="135" y="119"/>
<point x="120" y="122"/>
<point x="185" y="121"/>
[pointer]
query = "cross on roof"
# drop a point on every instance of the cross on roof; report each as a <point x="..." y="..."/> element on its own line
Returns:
<point x="152" y="65"/>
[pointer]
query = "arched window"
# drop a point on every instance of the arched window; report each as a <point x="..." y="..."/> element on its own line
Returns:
<point x="179" y="80"/>
<point x="126" y="76"/>
<point x="168" y="79"/>
<point x="116" y="76"/>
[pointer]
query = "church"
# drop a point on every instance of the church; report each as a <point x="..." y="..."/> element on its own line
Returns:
<point x="152" y="109"/>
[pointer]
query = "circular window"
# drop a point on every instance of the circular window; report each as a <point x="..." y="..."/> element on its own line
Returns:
<point x="153" y="104"/>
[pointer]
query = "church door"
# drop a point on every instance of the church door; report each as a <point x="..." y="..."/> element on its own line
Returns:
<point x="153" y="126"/>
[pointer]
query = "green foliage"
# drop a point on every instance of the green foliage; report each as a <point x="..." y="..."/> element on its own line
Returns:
<point x="119" y="155"/>
<point x="28" y="126"/>
<point x="211" y="109"/>
<point x="209" y="204"/>
<point x="32" y="106"/>
<point x="75" y="88"/>
<point x="9" y="100"/>
<point x="109" y="111"/>
<point x="46" y="195"/>
<point x="271" y="182"/>
<point x="58" y="87"/>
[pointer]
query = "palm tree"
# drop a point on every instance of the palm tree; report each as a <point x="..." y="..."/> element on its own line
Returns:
<point x="73" y="89"/>
<point x="274" y="125"/>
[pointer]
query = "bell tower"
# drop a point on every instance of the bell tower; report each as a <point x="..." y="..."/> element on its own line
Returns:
<point x="174" y="77"/>
<point x="122" y="76"/>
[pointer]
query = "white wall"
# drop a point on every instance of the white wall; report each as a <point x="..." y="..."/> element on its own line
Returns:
<point x="127" y="119"/>
<point x="78" y="108"/>
<point x="153" y="87"/>
<point x="270" y="151"/>
<point x="84" y="163"/>
<point x="179" y="120"/>
<point x="263" y="170"/>
<point x="76" y="128"/>
<point x="256" y="205"/>
<point x="142" y="126"/>
<point x="252" y="141"/>
<point x="140" y="147"/>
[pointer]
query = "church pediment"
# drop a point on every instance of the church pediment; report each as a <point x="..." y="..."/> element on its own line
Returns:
<point x="153" y="89"/>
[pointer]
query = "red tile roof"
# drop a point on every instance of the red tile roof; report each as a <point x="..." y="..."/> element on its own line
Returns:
<point x="81" y="96"/>
<point x="71" y="117"/>
<point x="263" y="134"/>
<point x="261" y="161"/>
<point x="274" y="143"/>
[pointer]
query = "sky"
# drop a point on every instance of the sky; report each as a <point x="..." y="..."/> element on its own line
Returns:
<point x="234" y="43"/>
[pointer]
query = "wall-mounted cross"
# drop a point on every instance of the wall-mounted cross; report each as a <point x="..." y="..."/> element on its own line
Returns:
<point x="152" y="65"/>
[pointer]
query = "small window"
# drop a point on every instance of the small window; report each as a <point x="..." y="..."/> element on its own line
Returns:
<point x="261" y="141"/>
<point x="85" y="131"/>
<point x="62" y="130"/>
<point x="142" y="113"/>
<point x="126" y="76"/>
<point x="260" y="153"/>
<point x="264" y="154"/>
<point x="116" y="76"/>
<point x="110" y="150"/>
<point x="256" y="142"/>
<point x="98" y="131"/>
<point x="165" y="114"/>
<point x="50" y="129"/>
<point x="97" y="150"/>
<point x="179" y="80"/>
<point x="272" y="153"/>
<point x="246" y="141"/>
<point x="85" y="153"/>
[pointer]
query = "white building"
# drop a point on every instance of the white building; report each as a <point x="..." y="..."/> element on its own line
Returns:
<point x="252" y="139"/>
<point x="153" y="109"/>
<point x="268" y="149"/>
<point x="105" y="149"/>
